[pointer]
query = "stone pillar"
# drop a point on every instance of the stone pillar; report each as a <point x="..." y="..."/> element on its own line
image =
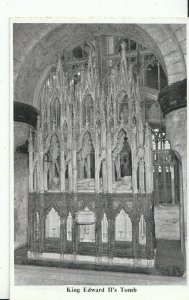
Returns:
<point x="45" y="183"/>
<point x="156" y="173"/>
<point x="30" y="148"/>
<point x="104" y="176"/>
<point x="62" y="235"/>
<point x="62" y="171"/>
<point x="176" y="131"/>
<point x="74" y="174"/>
<point x="41" y="224"/>
<point x="88" y="166"/>
<point x="134" y="172"/>
<point x="172" y="184"/>
<point x="118" y="168"/>
<point x="135" y="238"/>
<point x="70" y="175"/>
<point x="97" y="187"/>
<point x="109" y="163"/>
<point x="74" y="235"/>
<point x="40" y="172"/>
<point x="111" y="237"/>
<point x="113" y="171"/>
<point x="141" y="176"/>
<point x="173" y="102"/>
<point x="81" y="166"/>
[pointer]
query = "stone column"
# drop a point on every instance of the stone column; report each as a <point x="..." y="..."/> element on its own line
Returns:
<point x="141" y="176"/>
<point x="104" y="175"/>
<point x="30" y="148"/>
<point x="156" y="173"/>
<point x="135" y="237"/>
<point x="118" y="168"/>
<point x="41" y="224"/>
<point x="109" y="163"/>
<point x="176" y="131"/>
<point x="40" y="172"/>
<point x="81" y="166"/>
<point x="111" y="237"/>
<point x="134" y="172"/>
<point x="88" y="166"/>
<point x="62" y="235"/>
<point x="113" y="171"/>
<point x="97" y="187"/>
<point x="62" y="171"/>
<point x="70" y="175"/>
<point x="74" y="235"/>
<point x="74" y="174"/>
<point x="172" y="184"/>
<point x="45" y="183"/>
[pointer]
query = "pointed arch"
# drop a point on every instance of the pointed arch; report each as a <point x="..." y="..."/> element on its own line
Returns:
<point x="52" y="228"/>
<point x="123" y="227"/>
<point x="58" y="135"/>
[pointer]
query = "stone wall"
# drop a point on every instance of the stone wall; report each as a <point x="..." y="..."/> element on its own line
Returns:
<point x="20" y="199"/>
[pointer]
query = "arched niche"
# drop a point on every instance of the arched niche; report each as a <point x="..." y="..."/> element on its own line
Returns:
<point x="142" y="230"/>
<point x="122" y="162"/>
<point x="52" y="165"/>
<point x="87" y="158"/>
<point x="104" y="227"/>
<point x="123" y="227"/>
<point x="122" y="107"/>
<point x="52" y="224"/>
<point x="55" y="111"/>
<point x="88" y="110"/>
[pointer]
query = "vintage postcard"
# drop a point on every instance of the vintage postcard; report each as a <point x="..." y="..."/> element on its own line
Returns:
<point x="100" y="158"/>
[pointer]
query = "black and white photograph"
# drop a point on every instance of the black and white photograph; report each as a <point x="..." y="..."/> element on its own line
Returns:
<point x="100" y="154"/>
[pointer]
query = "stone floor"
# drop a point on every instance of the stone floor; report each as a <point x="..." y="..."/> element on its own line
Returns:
<point x="37" y="275"/>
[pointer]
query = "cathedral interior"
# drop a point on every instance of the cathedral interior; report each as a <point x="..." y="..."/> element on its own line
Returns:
<point x="100" y="143"/>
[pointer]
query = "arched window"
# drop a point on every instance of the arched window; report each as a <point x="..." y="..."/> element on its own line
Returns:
<point x="159" y="140"/>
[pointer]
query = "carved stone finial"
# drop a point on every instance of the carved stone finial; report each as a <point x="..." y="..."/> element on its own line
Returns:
<point x="123" y="45"/>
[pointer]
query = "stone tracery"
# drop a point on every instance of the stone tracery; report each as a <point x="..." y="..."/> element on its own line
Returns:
<point x="76" y="103"/>
<point x="92" y="140"/>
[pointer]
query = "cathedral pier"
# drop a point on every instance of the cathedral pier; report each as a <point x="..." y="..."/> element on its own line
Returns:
<point x="173" y="104"/>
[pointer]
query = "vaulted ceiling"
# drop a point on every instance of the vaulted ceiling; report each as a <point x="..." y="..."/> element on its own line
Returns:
<point x="36" y="46"/>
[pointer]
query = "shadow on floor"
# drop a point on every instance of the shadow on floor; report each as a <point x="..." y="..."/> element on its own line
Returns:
<point x="168" y="261"/>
